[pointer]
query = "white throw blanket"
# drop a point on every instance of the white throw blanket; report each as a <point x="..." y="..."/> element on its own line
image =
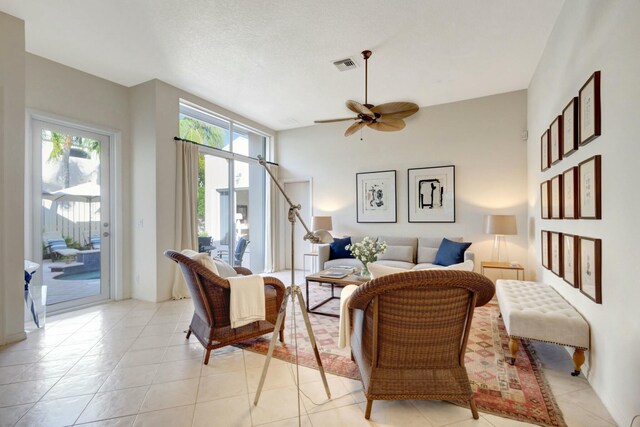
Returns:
<point x="344" y="334"/>
<point x="247" y="299"/>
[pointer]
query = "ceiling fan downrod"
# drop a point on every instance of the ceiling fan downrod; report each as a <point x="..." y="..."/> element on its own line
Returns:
<point x="366" y="54"/>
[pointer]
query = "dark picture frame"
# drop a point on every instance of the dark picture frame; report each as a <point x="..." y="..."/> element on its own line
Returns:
<point x="570" y="204"/>
<point x="591" y="268"/>
<point x="431" y="192"/>
<point x="544" y="151"/>
<point x="590" y="109"/>
<point x="545" y="199"/>
<point x="555" y="253"/>
<point x="570" y="128"/>
<point x="570" y="260"/>
<point x="556" y="197"/>
<point x="555" y="141"/>
<point x="376" y="196"/>
<point x="590" y="188"/>
<point x="544" y="249"/>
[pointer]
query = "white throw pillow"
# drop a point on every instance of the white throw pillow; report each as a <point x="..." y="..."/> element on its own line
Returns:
<point x="379" y="270"/>
<point x="202" y="258"/>
<point x="224" y="269"/>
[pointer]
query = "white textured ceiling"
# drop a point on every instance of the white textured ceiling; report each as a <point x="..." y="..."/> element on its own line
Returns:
<point x="271" y="60"/>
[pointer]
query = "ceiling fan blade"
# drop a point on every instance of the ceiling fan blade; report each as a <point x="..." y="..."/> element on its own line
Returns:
<point x="401" y="109"/>
<point x="356" y="107"/>
<point x="390" y="126"/>
<point x="354" y="128"/>
<point x="335" y="120"/>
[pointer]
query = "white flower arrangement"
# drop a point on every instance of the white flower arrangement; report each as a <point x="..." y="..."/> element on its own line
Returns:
<point x="368" y="250"/>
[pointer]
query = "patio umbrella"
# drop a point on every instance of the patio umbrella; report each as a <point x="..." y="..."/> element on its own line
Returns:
<point x="86" y="192"/>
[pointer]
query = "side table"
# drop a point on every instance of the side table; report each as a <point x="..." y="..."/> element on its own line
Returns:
<point x="503" y="266"/>
<point x="314" y="260"/>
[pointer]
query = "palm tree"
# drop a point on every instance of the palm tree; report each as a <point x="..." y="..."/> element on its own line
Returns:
<point x="61" y="150"/>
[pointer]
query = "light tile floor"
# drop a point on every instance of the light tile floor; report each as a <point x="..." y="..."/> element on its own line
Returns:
<point x="128" y="364"/>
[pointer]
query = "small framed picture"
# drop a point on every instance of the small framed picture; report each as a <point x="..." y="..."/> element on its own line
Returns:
<point x="555" y="141"/>
<point x="591" y="268"/>
<point x="376" y="196"/>
<point x="570" y="259"/>
<point x="570" y="199"/>
<point x="556" y="253"/>
<point x="570" y="130"/>
<point x="432" y="194"/>
<point x="544" y="151"/>
<point x="556" y="197"/>
<point x="544" y="243"/>
<point x="544" y="200"/>
<point x="590" y="188"/>
<point x="590" y="109"/>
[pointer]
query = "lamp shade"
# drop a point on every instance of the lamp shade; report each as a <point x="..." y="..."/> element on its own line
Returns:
<point x="500" y="224"/>
<point x="321" y="223"/>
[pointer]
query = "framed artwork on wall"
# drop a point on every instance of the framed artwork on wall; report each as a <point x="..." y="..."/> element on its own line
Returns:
<point x="544" y="151"/>
<point x="590" y="109"/>
<point x="376" y="196"/>
<point x="432" y="194"/>
<point x="556" y="197"/>
<point x="591" y="268"/>
<point x="555" y="141"/>
<point x="544" y="200"/>
<point x="570" y="259"/>
<point x="544" y="248"/>
<point x="590" y="188"/>
<point x="570" y="130"/>
<point x="570" y="199"/>
<point x="555" y="246"/>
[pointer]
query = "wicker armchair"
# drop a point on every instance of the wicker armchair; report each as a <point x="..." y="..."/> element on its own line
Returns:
<point x="210" y="295"/>
<point x="410" y="334"/>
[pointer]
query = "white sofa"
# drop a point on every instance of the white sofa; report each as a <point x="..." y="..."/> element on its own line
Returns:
<point x="402" y="252"/>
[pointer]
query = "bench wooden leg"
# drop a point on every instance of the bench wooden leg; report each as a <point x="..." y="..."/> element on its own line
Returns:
<point x="578" y="360"/>
<point x="513" y="346"/>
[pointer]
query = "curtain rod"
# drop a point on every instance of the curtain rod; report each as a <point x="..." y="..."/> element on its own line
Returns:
<point x="176" y="138"/>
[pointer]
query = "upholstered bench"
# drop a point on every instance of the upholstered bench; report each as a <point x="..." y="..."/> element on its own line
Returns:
<point x="535" y="311"/>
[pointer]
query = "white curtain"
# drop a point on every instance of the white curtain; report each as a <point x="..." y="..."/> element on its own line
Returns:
<point x="186" y="229"/>
<point x="271" y="221"/>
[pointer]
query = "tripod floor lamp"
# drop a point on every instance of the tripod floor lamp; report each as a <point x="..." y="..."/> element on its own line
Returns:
<point x="293" y="291"/>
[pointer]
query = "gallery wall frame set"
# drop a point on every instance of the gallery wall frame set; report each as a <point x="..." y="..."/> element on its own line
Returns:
<point x="579" y="124"/>
<point x="577" y="259"/>
<point x="376" y="196"/>
<point x="576" y="193"/>
<point x="432" y="194"/>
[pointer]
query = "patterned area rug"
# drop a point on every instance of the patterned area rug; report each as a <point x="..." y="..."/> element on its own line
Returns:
<point x="519" y="392"/>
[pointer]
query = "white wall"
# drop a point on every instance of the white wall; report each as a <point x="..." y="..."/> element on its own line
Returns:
<point x="591" y="36"/>
<point x="481" y="137"/>
<point x="12" y="161"/>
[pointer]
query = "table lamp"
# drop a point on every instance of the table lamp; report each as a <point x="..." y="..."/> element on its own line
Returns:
<point x="321" y="225"/>
<point x="500" y="226"/>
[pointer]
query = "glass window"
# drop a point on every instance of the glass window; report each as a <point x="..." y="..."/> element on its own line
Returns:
<point x="203" y="128"/>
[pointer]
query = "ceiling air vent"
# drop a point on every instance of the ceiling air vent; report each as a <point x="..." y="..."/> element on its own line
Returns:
<point x="345" y="64"/>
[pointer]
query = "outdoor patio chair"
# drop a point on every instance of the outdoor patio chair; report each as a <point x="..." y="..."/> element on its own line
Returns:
<point x="56" y="245"/>
<point x="238" y="254"/>
<point x="204" y="244"/>
<point x="94" y="242"/>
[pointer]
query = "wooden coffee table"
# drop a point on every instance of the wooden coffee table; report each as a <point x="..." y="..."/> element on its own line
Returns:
<point x="350" y="279"/>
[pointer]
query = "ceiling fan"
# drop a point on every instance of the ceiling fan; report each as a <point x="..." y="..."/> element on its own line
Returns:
<point x="384" y="117"/>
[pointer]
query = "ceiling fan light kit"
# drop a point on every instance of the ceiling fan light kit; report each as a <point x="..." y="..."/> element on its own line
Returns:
<point x="384" y="117"/>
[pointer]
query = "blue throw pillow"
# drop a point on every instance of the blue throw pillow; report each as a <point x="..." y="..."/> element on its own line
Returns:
<point x="337" y="249"/>
<point x="450" y="252"/>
